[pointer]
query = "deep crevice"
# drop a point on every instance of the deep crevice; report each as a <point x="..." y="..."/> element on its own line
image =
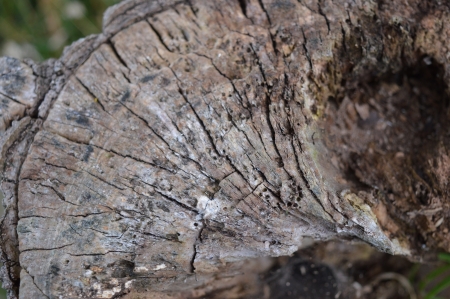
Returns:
<point x="261" y="4"/>
<point x="243" y="6"/>
<point x="324" y="16"/>
<point x="306" y="50"/>
<point x="159" y="36"/>
<point x="95" y="98"/>
<point x="32" y="279"/>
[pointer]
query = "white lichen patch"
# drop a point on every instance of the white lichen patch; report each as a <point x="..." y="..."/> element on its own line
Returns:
<point x="140" y="269"/>
<point x="88" y="273"/>
<point x="160" y="267"/>
<point x="202" y="202"/>
<point x="364" y="216"/>
<point x="213" y="207"/>
<point x="128" y="284"/>
<point x="106" y="293"/>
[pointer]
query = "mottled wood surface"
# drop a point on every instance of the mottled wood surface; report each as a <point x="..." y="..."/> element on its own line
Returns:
<point x="191" y="136"/>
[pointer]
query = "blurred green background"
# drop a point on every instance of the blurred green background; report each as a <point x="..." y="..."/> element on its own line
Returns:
<point x="40" y="29"/>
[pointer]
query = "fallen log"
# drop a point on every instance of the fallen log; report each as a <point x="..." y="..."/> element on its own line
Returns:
<point x="190" y="137"/>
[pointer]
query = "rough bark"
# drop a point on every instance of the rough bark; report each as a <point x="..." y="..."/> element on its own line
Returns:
<point x="191" y="136"/>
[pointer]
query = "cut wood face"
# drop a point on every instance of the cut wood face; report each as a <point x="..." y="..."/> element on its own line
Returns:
<point x="191" y="136"/>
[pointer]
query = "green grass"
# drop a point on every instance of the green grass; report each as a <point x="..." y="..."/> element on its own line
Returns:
<point x="2" y="294"/>
<point x="46" y="26"/>
<point x="437" y="280"/>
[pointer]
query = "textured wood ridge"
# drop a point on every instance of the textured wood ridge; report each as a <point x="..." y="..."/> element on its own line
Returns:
<point x="192" y="136"/>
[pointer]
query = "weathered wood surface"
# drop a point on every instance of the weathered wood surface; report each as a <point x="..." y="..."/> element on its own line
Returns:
<point x="191" y="136"/>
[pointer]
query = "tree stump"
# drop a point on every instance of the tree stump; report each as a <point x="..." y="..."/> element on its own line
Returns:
<point x="191" y="140"/>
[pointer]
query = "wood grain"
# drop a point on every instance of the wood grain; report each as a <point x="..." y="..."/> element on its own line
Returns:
<point x="192" y="136"/>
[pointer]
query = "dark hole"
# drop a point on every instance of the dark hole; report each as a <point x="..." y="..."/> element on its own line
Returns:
<point x="386" y="130"/>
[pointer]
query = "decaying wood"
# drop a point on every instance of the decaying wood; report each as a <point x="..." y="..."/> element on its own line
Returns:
<point x="191" y="136"/>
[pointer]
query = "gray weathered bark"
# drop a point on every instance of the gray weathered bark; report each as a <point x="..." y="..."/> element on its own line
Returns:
<point x="191" y="136"/>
